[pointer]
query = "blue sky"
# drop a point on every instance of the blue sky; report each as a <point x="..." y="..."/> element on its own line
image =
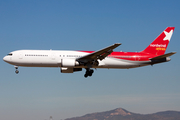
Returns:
<point x="37" y="93"/>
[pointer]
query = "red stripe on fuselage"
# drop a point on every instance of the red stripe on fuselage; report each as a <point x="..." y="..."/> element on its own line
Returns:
<point x="132" y="56"/>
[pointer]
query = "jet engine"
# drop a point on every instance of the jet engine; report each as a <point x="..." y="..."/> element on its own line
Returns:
<point x="69" y="63"/>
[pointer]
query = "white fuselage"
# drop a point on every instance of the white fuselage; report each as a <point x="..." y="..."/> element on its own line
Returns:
<point x="53" y="58"/>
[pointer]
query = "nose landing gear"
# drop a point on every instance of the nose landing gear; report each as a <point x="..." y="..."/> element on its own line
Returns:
<point x="89" y="72"/>
<point x="17" y="71"/>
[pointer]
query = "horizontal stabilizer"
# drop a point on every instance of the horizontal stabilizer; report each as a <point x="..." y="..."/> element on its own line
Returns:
<point x="163" y="56"/>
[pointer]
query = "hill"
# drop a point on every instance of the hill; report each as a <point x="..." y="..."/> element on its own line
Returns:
<point x="122" y="114"/>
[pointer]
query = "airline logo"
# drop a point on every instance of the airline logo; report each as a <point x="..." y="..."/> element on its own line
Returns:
<point x="168" y="35"/>
<point x="159" y="47"/>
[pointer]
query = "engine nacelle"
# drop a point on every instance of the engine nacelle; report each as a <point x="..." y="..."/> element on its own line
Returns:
<point x="69" y="63"/>
<point x="70" y="70"/>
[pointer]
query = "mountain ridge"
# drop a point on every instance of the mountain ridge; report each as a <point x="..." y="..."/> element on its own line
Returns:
<point x="122" y="114"/>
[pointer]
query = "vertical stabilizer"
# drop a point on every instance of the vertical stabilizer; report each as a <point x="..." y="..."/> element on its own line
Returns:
<point x="159" y="45"/>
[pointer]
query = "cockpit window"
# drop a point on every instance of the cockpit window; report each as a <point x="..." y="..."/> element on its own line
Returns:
<point x="10" y="54"/>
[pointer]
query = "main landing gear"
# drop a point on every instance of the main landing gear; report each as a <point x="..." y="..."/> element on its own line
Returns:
<point x="89" y="72"/>
<point x="17" y="71"/>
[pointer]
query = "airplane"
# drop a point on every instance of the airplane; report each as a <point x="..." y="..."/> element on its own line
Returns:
<point x="73" y="61"/>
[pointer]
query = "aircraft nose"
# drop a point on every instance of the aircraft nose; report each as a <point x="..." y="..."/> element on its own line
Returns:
<point x="5" y="59"/>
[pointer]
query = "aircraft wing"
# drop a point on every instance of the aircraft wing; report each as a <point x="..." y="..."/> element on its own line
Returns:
<point x="98" y="55"/>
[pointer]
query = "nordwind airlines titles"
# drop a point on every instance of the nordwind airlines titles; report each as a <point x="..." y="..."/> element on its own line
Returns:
<point x="73" y="61"/>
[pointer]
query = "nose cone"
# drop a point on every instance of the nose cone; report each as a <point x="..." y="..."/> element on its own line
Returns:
<point x="5" y="59"/>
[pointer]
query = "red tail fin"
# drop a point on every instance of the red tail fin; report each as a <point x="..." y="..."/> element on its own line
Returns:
<point x="159" y="45"/>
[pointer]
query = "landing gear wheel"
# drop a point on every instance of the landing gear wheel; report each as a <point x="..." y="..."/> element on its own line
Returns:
<point x="17" y="71"/>
<point x="85" y="75"/>
<point x="89" y="72"/>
